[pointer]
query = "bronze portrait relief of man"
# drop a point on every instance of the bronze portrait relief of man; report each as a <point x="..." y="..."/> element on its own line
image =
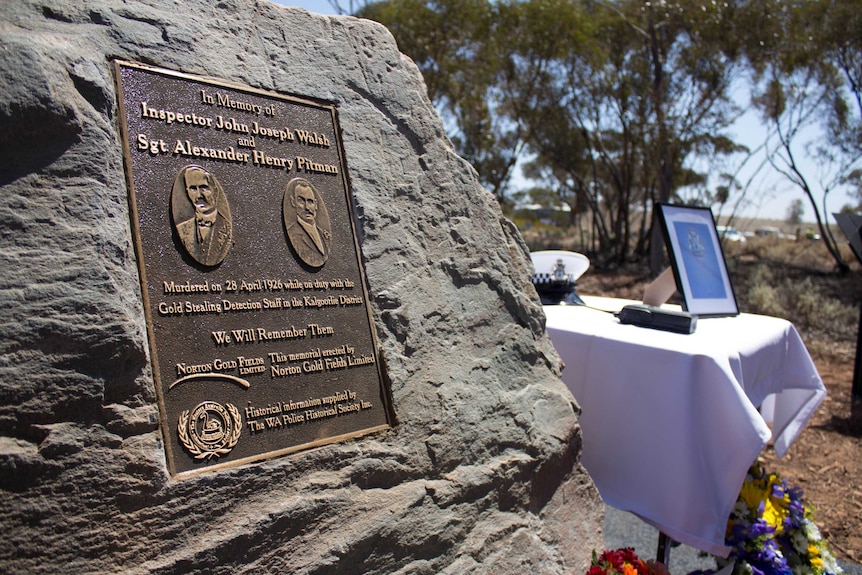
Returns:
<point x="307" y="222"/>
<point x="201" y="215"/>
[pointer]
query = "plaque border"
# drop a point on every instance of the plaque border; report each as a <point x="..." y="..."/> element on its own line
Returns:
<point x="385" y="387"/>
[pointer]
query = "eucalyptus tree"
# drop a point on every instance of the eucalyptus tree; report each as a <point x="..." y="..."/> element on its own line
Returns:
<point x="541" y="35"/>
<point x="614" y="98"/>
<point x="690" y="49"/>
<point x="806" y="63"/>
<point x="456" y="45"/>
<point x="630" y="92"/>
<point x="575" y="98"/>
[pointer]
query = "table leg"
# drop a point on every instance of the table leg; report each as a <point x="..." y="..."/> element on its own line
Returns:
<point x="856" y="390"/>
<point x="663" y="552"/>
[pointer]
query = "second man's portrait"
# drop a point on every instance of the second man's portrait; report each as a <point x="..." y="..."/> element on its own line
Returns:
<point x="307" y="222"/>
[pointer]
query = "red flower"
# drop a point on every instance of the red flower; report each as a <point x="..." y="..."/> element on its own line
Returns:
<point x="623" y="562"/>
<point x="628" y="555"/>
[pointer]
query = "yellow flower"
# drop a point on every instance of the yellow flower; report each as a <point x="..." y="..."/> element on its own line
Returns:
<point x="751" y="494"/>
<point x="774" y="515"/>
<point x="775" y="509"/>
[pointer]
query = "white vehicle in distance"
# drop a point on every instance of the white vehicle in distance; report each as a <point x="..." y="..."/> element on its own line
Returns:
<point x="730" y="234"/>
<point x="769" y="232"/>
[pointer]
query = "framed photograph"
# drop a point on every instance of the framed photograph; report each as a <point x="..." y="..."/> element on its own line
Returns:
<point x="697" y="260"/>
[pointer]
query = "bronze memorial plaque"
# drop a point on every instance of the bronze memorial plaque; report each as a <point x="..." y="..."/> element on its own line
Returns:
<point x="257" y="310"/>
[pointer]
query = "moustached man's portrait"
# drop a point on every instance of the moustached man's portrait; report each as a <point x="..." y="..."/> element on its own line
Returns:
<point x="201" y="215"/>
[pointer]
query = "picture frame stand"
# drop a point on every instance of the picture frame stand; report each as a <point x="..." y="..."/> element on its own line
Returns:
<point x="660" y="290"/>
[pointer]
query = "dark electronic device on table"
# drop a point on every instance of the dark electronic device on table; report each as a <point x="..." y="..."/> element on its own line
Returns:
<point x="657" y="318"/>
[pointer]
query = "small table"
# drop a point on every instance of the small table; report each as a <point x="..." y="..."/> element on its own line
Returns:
<point x="671" y="422"/>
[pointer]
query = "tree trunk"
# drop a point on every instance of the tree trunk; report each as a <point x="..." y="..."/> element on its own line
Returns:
<point x="665" y="167"/>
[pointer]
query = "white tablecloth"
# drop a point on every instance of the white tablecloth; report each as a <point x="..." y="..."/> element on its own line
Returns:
<point x="670" y="422"/>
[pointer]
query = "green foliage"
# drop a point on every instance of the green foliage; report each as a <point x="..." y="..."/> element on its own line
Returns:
<point x="805" y="60"/>
<point x="457" y="46"/>
<point x="617" y="104"/>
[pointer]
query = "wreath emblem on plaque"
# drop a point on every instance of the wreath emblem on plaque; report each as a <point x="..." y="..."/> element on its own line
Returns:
<point x="210" y="429"/>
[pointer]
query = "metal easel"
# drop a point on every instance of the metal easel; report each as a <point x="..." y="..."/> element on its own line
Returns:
<point x="851" y="225"/>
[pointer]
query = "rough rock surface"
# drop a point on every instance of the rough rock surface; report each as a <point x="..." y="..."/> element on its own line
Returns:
<point x="480" y="474"/>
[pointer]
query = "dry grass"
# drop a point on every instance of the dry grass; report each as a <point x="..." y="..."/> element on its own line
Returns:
<point x="796" y="280"/>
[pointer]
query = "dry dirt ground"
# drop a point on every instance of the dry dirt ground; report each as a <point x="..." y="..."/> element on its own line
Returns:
<point x="826" y="459"/>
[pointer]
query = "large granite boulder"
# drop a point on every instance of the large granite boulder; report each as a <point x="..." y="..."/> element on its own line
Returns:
<point x="480" y="472"/>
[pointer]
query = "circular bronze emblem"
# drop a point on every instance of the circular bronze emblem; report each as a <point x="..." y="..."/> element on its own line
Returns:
<point x="210" y="429"/>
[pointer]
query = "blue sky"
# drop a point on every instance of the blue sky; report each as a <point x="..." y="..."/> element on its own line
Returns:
<point x="319" y="6"/>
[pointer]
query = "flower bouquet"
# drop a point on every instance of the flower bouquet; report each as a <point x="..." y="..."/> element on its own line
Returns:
<point x="771" y="530"/>
<point x="624" y="562"/>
